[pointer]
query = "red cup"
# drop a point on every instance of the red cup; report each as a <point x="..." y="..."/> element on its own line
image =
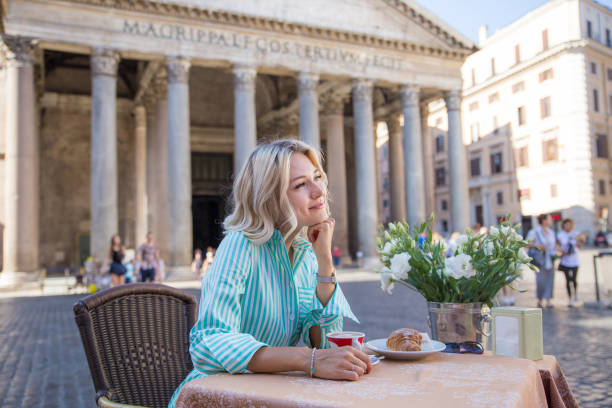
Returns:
<point x="347" y="338"/>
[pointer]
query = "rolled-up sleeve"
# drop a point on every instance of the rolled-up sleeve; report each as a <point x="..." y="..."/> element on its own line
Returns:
<point x="216" y="341"/>
<point x="313" y="313"/>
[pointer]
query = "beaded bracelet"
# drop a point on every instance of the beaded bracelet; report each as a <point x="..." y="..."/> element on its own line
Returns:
<point x="312" y="358"/>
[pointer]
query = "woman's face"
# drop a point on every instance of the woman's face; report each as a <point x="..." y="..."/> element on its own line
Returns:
<point x="568" y="226"/>
<point x="306" y="191"/>
<point x="547" y="221"/>
<point x="116" y="240"/>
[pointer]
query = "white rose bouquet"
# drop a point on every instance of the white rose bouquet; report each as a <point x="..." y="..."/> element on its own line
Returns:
<point x="475" y="271"/>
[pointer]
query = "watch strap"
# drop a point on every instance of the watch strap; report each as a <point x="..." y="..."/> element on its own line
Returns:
<point x="327" y="279"/>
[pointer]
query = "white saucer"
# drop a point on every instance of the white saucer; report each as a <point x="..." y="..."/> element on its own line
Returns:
<point x="429" y="347"/>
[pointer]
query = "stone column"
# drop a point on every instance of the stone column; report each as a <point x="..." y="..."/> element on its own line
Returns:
<point x="365" y="172"/>
<point x="160" y="166"/>
<point x="22" y="164"/>
<point x="140" y="160"/>
<point x="245" y="126"/>
<point x="180" y="237"/>
<point x="333" y="118"/>
<point x="459" y="196"/>
<point x="428" y="167"/>
<point x="104" y="218"/>
<point x="151" y="158"/>
<point x="396" y="168"/>
<point x="309" y="108"/>
<point x="413" y="156"/>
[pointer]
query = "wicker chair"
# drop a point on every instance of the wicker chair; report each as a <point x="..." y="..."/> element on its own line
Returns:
<point x="136" y="338"/>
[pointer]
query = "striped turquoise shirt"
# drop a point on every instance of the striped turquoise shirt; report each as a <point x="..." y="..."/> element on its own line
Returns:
<point x="252" y="297"/>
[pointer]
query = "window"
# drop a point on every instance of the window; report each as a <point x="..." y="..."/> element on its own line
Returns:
<point x="602" y="187"/>
<point x="608" y="39"/>
<point x="443" y="205"/>
<point x="601" y="146"/>
<point x="495" y="125"/>
<point x="609" y="74"/>
<point x="544" y="40"/>
<point x="553" y="190"/>
<point x="517" y="54"/>
<point x="492" y="66"/>
<point x="473" y="106"/>
<point x="499" y="198"/>
<point x="610" y="104"/>
<point x="594" y="68"/>
<point x="545" y="107"/>
<point x="440" y="176"/>
<point x="494" y="97"/>
<point x="550" y="150"/>
<point x="546" y="75"/>
<point x="524" y="194"/>
<point x="475" y="167"/>
<point x="386" y="203"/>
<point x="521" y="115"/>
<point x="445" y="225"/>
<point x="475" y="131"/>
<point x="496" y="163"/>
<point x="440" y="143"/>
<point x="589" y="29"/>
<point x="595" y="100"/>
<point x="522" y="156"/>
<point x="473" y="77"/>
<point x="518" y="87"/>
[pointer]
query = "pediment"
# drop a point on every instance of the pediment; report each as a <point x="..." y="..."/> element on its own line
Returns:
<point x="395" y="20"/>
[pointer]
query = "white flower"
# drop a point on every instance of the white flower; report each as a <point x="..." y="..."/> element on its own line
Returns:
<point x="523" y="256"/>
<point x="505" y="229"/>
<point x="461" y="240"/>
<point x="493" y="232"/>
<point x="459" y="266"/>
<point x="488" y="250"/>
<point x="387" y="248"/>
<point x="400" y="265"/>
<point x="516" y="236"/>
<point x="385" y="280"/>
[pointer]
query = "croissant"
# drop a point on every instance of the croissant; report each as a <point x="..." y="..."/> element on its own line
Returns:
<point x="405" y="340"/>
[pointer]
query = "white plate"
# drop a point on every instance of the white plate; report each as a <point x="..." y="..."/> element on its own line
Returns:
<point x="429" y="347"/>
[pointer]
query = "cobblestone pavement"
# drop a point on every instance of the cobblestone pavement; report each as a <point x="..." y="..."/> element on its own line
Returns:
<point x="42" y="363"/>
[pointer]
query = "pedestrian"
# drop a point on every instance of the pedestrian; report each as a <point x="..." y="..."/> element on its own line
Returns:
<point x="148" y="256"/>
<point x="116" y="253"/>
<point x="210" y="256"/>
<point x="543" y="237"/>
<point x="197" y="263"/>
<point x="273" y="282"/>
<point x="359" y="256"/>
<point x="569" y="242"/>
<point x="336" y="253"/>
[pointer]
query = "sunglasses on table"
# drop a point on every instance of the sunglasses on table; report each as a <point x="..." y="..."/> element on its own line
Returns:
<point x="464" y="347"/>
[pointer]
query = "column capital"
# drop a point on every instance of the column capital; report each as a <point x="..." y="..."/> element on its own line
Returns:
<point x="307" y="81"/>
<point x="333" y="103"/>
<point x="452" y="99"/>
<point x="409" y="95"/>
<point x="159" y="85"/>
<point x="244" y="76"/>
<point x="362" y="89"/>
<point x="104" y="62"/>
<point x="177" y="69"/>
<point x="394" y="122"/>
<point x="18" y="50"/>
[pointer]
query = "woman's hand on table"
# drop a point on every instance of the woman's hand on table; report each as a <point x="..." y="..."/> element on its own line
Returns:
<point x="343" y="363"/>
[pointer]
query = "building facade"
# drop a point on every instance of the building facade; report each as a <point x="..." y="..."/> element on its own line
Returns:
<point x="537" y="106"/>
<point x="127" y="117"/>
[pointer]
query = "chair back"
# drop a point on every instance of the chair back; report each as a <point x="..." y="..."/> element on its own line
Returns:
<point x="136" y="339"/>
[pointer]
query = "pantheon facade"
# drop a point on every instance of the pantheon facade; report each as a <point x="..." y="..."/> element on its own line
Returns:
<point x="128" y="116"/>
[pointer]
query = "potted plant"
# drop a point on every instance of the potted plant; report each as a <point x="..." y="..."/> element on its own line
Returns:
<point x="460" y="281"/>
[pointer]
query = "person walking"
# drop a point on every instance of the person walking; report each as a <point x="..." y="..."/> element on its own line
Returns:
<point x="569" y="243"/>
<point x="543" y="237"/>
<point x="116" y="253"/>
<point x="148" y="255"/>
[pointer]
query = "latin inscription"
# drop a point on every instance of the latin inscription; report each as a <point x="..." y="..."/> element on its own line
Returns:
<point x="259" y="44"/>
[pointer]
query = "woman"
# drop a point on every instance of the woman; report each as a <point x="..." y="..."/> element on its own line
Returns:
<point x="269" y="286"/>
<point x="569" y="242"/>
<point x="543" y="237"/>
<point x="116" y="254"/>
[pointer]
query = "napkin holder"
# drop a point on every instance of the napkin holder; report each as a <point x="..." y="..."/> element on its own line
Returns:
<point x="517" y="332"/>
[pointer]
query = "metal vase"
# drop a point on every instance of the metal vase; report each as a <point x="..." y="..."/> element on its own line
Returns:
<point x="459" y="322"/>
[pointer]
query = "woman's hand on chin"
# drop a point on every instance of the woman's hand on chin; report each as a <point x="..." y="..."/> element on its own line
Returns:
<point x="320" y="236"/>
<point x="344" y="363"/>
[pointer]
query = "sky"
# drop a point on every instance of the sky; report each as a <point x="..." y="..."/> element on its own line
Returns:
<point x="466" y="16"/>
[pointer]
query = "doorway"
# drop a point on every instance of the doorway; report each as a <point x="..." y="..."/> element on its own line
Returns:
<point x="208" y="214"/>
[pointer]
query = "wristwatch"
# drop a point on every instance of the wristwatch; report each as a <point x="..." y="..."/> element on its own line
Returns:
<point x="327" y="279"/>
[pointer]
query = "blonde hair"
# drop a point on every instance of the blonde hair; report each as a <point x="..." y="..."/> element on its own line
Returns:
<point x="259" y="196"/>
